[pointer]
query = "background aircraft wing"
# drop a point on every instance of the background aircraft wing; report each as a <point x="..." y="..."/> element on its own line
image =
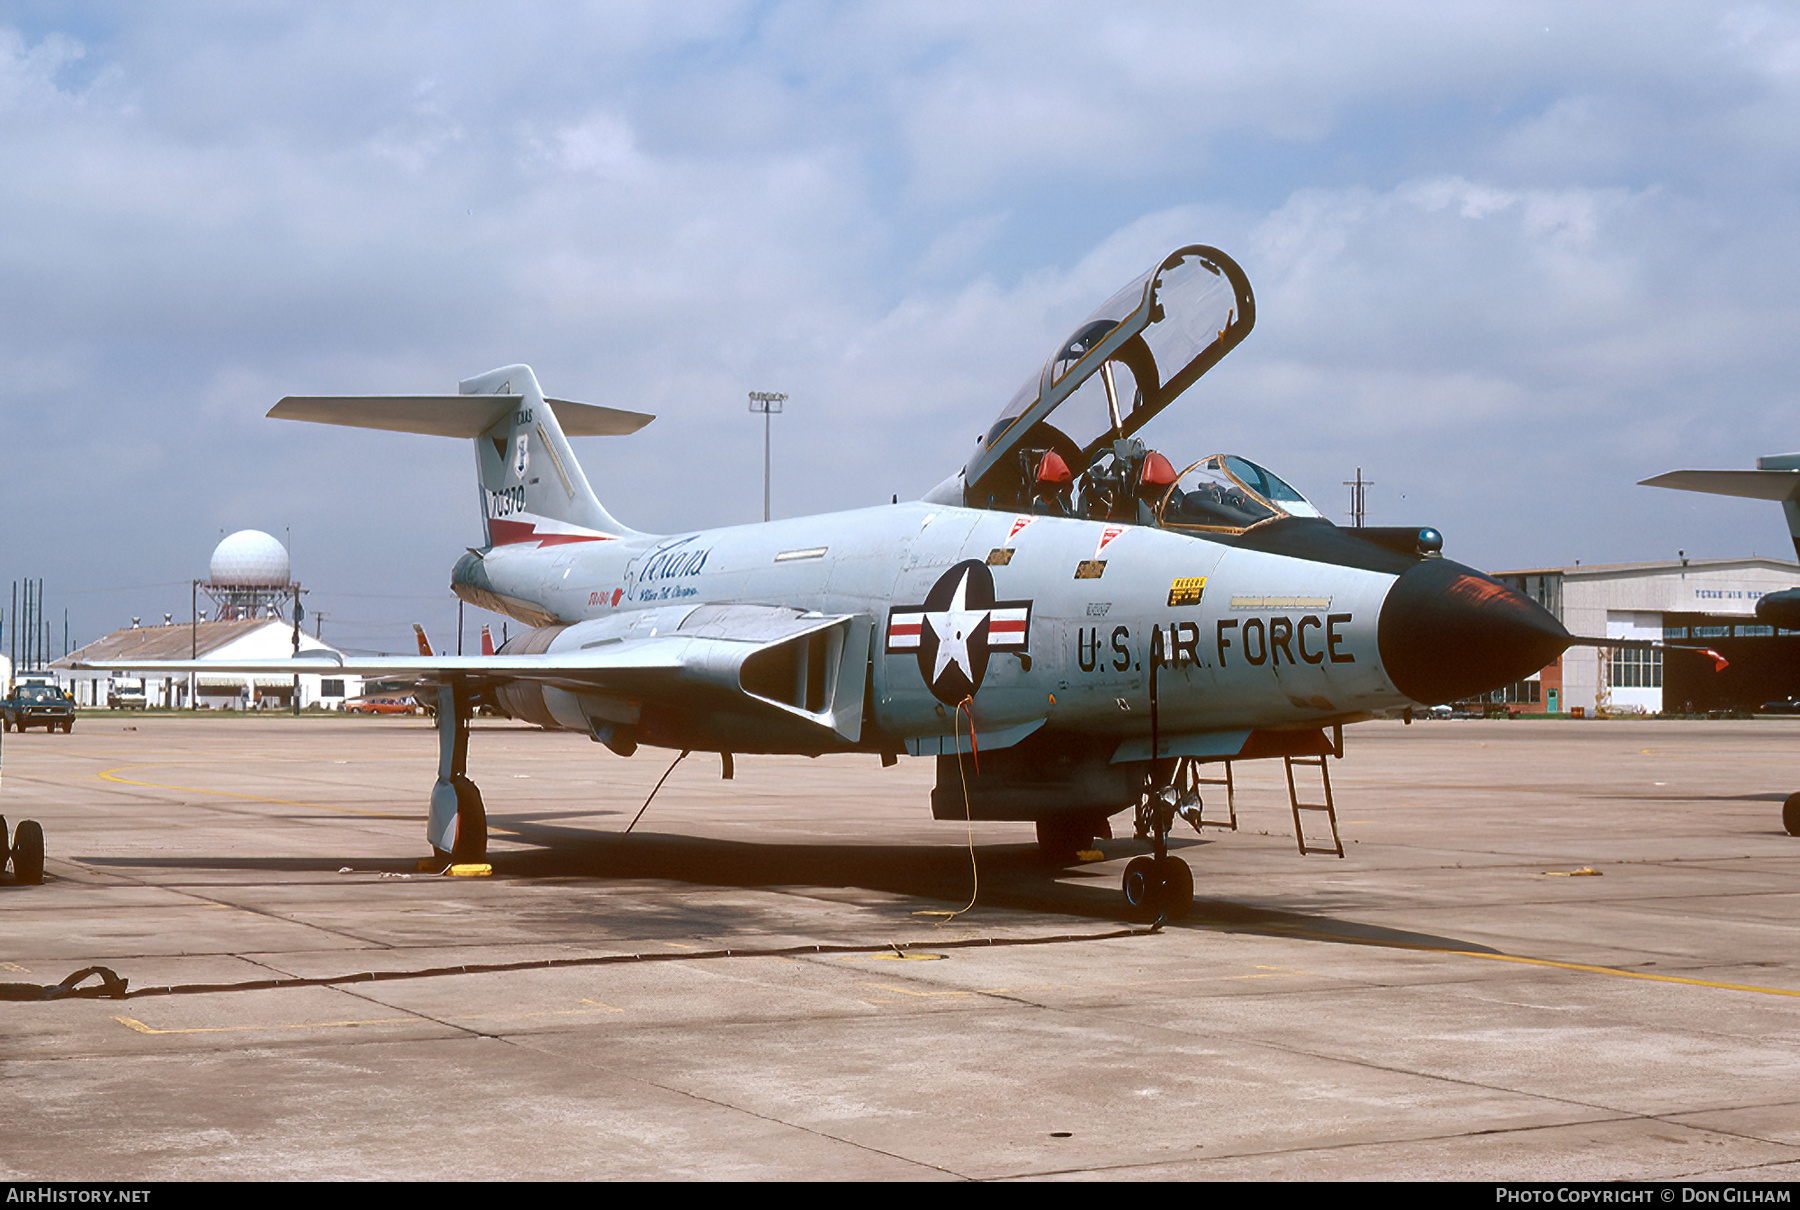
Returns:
<point x="1756" y="485"/>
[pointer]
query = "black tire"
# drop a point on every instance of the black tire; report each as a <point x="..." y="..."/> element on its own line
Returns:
<point x="1177" y="889"/>
<point x="5" y="843"/>
<point x="1061" y="840"/>
<point x="1142" y="885"/>
<point x="28" y="853"/>
<point x="1790" y="815"/>
<point x="471" y="824"/>
<point x="68" y="726"/>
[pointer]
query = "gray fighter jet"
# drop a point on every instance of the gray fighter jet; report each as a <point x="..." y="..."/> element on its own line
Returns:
<point x="1090" y="616"/>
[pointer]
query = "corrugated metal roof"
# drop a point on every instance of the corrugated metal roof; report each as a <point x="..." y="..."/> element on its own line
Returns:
<point x="1671" y="565"/>
<point x="179" y="641"/>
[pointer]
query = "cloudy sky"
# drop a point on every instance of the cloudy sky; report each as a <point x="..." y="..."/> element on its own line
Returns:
<point x="1509" y="259"/>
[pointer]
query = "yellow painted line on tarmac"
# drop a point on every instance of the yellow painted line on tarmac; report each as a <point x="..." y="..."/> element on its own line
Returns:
<point x="140" y="1027"/>
<point x="1624" y="974"/>
<point x="134" y="1024"/>
<point x="112" y="776"/>
<point x="907" y="991"/>
<point x="1551" y="963"/>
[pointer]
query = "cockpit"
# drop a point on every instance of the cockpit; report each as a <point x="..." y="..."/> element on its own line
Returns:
<point x="1228" y="494"/>
<point x="1222" y="493"/>
<point x="1122" y="365"/>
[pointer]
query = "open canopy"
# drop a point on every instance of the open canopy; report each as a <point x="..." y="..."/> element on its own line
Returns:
<point x="1126" y="362"/>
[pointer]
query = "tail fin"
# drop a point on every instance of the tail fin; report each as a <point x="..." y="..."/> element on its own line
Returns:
<point x="532" y="489"/>
<point x="424" y="643"/>
<point x="487" y="640"/>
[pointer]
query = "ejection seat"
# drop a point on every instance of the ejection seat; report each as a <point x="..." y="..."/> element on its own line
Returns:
<point x="1052" y="484"/>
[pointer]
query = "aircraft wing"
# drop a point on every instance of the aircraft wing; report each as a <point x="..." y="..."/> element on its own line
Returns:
<point x="809" y="666"/>
<point x="1755" y="485"/>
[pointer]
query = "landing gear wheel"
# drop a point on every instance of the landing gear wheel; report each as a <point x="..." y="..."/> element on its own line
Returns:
<point x="471" y="826"/>
<point x="1790" y="815"/>
<point x="1177" y="889"/>
<point x="28" y="853"/>
<point x="1142" y="885"/>
<point x="1060" y="841"/>
<point x="68" y="726"/>
<point x="1158" y="886"/>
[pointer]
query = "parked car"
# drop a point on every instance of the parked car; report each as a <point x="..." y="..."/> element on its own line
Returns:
<point x="1789" y="705"/>
<point x="37" y="706"/>
<point x="126" y="695"/>
<point x="382" y="705"/>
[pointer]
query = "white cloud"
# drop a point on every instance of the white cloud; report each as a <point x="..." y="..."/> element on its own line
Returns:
<point x="1491" y="260"/>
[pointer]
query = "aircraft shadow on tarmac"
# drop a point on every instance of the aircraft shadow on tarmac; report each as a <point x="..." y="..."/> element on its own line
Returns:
<point x="1012" y="876"/>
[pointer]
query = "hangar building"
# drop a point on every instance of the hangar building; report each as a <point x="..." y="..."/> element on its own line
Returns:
<point x="1709" y="601"/>
<point x="254" y="597"/>
<point x="223" y="641"/>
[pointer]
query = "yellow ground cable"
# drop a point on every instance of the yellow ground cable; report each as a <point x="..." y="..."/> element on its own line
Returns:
<point x="968" y="816"/>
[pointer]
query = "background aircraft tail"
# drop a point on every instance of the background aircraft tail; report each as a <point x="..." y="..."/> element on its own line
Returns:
<point x="1776" y="477"/>
<point x="532" y="489"/>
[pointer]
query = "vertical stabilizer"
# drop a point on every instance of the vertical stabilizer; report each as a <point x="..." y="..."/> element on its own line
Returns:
<point x="532" y="489"/>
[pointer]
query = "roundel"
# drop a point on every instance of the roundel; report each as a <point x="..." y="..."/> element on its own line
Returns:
<point x="956" y="628"/>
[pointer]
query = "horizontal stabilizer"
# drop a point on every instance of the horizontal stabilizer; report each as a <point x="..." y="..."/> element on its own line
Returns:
<point x="451" y="415"/>
<point x="1755" y="485"/>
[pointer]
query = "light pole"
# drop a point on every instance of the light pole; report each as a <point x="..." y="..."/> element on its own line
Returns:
<point x="768" y="403"/>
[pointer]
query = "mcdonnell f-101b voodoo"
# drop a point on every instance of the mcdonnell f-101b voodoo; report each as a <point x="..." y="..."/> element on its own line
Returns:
<point x="1089" y="615"/>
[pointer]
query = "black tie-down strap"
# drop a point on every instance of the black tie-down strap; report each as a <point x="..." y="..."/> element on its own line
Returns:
<point x="110" y="986"/>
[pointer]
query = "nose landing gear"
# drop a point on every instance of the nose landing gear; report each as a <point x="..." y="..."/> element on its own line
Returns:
<point x="1160" y="886"/>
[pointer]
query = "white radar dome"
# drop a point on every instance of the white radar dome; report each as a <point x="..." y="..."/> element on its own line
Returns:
<point x="249" y="559"/>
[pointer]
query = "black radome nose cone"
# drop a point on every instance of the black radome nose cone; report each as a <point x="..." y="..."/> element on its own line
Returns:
<point x="1448" y="633"/>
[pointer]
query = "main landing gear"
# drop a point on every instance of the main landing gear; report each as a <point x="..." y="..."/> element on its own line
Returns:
<point x="1790" y="815"/>
<point x="457" y="824"/>
<point x="1061" y="841"/>
<point x="25" y="850"/>
<point x="1158" y="886"/>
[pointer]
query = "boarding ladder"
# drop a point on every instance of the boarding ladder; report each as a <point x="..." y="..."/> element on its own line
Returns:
<point x="1188" y="781"/>
<point x="1337" y="844"/>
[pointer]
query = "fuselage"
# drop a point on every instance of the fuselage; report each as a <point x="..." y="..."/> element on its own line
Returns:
<point x="1079" y="614"/>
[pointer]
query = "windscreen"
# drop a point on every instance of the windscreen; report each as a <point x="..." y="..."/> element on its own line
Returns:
<point x="1228" y="494"/>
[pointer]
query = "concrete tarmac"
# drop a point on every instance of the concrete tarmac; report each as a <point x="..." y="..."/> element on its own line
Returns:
<point x="1455" y="999"/>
